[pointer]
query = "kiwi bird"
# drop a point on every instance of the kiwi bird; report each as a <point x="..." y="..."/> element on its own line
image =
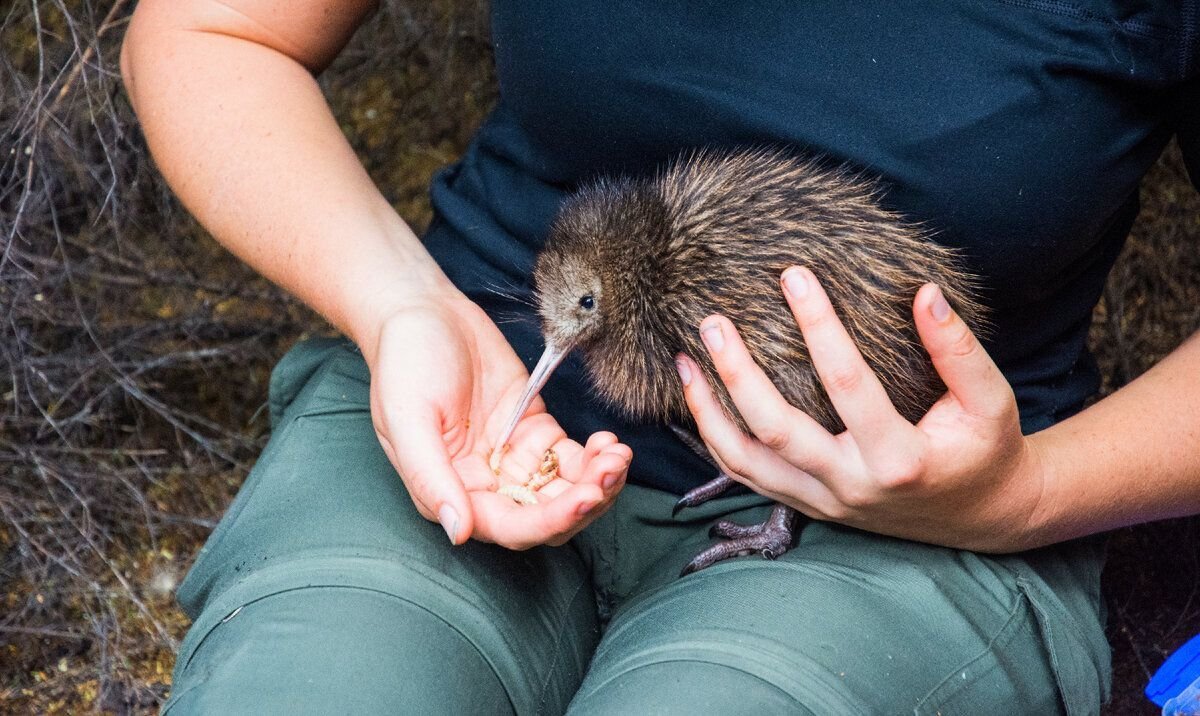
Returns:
<point x="631" y="266"/>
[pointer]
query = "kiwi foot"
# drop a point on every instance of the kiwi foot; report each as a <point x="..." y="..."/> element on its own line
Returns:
<point x="704" y="493"/>
<point x="770" y="538"/>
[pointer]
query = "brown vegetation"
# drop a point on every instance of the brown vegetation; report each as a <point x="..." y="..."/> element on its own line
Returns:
<point x="135" y="352"/>
<point x="1151" y="304"/>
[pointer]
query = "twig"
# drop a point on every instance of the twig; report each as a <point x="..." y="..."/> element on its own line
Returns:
<point x="38" y="631"/>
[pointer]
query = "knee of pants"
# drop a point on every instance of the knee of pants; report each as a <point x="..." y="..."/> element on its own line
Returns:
<point x="688" y="687"/>
<point x="390" y="636"/>
<point x="817" y="637"/>
<point x="704" y="670"/>
<point x="336" y="650"/>
<point x="329" y="571"/>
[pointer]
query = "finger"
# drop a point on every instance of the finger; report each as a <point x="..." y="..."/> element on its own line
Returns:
<point x="596" y="442"/>
<point x="851" y="385"/>
<point x="607" y="470"/>
<point x="576" y="464"/>
<point x="965" y="367"/>
<point x="574" y="467"/>
<point x="504" y="522"/>
<point x="610" y="469"/>
<point x="741" y="457"/>
<point x="423" y="463"/>
<point x="776" y="424"/>
<point x="806" y="493"/>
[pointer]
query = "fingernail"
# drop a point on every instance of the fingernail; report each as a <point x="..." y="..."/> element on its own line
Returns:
<point x="611" y="479"/>
<point x="449" y="519"/>
<point x="585" y="508"/>
<point x="711" y="334"/>
<point x="795" y="282"/>
<point x="685" y="372"/>
<point x="939" y="308"/>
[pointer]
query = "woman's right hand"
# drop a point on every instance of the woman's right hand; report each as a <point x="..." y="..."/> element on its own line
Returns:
<point x="443" y="381"/>
<point x="240" y="129"/>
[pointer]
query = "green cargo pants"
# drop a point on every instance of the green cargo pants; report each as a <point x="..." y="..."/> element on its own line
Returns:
<point x="323" y="591"/>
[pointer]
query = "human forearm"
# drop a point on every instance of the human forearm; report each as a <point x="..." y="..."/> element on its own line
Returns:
<point x="239" y="128"/>
<point x="241" y="132"/>
<point x="1132" y="457"/>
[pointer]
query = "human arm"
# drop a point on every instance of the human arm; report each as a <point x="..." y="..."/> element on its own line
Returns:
<point x="1129" y="458"/>
<point x="964" y="476"/>
<point x="239" y="128"/>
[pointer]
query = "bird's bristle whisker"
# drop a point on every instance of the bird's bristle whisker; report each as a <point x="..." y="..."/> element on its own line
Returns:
<point x="513" y="318"/>
<point x="510" y="293"/>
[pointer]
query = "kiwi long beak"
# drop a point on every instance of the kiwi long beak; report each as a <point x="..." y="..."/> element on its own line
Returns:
<point x="551" y="358"/>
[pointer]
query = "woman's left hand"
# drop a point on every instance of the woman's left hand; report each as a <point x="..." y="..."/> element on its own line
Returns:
<point x="964" y="476"/>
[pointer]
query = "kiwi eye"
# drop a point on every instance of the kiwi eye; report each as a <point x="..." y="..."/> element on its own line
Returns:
<point x="586" y="302"/>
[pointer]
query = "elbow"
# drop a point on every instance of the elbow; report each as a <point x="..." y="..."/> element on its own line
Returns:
<point x="126" y="64"/>
<point x="149" y="21"/>
<point x="126" y="61"/>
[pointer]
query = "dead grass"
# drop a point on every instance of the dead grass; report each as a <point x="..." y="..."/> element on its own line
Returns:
<point x="136" y="352"/>
<point x="1151" y="304"/>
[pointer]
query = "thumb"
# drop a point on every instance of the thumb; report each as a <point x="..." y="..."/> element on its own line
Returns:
<point x="968" y="371"/>
<point x="419" y="454"/>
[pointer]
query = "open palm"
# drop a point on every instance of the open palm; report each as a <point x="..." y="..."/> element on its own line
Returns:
<point x="443" y="380"/>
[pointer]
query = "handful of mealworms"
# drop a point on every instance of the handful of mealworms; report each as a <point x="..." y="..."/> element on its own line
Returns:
<point x="526" y="494"/>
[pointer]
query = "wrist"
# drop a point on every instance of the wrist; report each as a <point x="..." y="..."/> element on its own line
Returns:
<point x="398" y="274"/>
<point x="374" y="308"/>
<point x="1041" y="478"/>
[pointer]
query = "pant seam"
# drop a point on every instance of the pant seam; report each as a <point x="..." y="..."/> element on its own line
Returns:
<point x="558" y="653"/>
<point x="1059" y="661"/>
<point x="1002" y="635"/>
<point x="693" y="649"/>
<point x="469" y="598"/>
<point x="710" y="662"/>
<point x="400" y="598"/>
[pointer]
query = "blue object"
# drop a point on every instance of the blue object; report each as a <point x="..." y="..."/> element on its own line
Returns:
<point x="1178" y="681"/>
<point x="1185" y="704"/>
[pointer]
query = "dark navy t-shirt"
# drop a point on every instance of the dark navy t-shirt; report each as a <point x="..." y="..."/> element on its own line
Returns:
<point x="1016" y="130"/>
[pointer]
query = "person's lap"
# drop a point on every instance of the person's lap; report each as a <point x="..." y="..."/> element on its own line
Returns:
<point x="323" y="590"/>
<point x="845" y="623"/>
<point x="324" y="521"/>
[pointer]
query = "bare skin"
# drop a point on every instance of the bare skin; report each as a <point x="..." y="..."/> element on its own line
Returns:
<point x="239" y="128"/>
<point x="963" y="476"/>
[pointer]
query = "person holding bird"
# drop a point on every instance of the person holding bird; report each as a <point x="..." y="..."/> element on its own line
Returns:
<point x="947" y="564"/>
